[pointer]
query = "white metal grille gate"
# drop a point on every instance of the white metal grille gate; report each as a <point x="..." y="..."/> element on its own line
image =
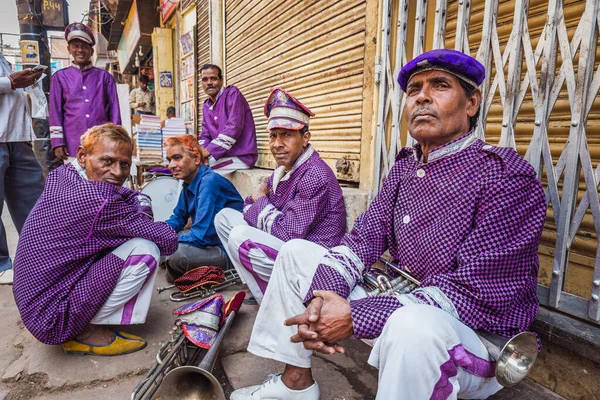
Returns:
<point x="513" y="74"/>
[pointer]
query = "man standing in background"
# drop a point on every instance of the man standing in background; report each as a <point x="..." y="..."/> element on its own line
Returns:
<point x="141" y="99"/>
<point x="81" y="96"/>
<point x="21" y="180"/>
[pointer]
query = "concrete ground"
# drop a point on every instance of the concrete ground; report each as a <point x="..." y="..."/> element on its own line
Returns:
<point x="31" y="370"/>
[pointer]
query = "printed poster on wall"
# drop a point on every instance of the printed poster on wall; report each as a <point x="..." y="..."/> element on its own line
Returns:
<point x="166" y="79"/>
<point x="187" y="43"/>
<point x="30" y="52"/>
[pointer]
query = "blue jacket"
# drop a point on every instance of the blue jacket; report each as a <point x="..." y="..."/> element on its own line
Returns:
<point x="202" y="199"/>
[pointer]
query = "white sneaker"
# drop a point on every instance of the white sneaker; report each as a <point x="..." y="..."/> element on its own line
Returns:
<point x="6" y="277"/>
<point x="274" y="389"/>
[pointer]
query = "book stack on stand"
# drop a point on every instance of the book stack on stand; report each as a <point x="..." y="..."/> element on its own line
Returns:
<point x="173" y="127"/>
<point x="149" y="140"/>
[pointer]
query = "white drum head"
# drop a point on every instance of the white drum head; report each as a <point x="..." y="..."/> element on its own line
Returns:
<point x="164" y="193"/>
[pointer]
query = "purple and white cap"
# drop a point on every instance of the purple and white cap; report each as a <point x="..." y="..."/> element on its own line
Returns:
<point x="284" y="111"/>
<point x="80" y="31"/>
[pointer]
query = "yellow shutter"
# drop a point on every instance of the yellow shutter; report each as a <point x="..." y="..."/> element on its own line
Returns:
<point x="202" y="54"/>
<point x="583" y="250"/>
<point x="313" y="49"/>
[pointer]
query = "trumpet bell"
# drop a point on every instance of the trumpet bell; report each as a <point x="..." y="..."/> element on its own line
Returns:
<point x="516" y="359"/>
<point x="189" y="383"/>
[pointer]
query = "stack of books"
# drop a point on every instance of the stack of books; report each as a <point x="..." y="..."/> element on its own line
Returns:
<point x="173" y="127"/>
<point x="149" y="140"/>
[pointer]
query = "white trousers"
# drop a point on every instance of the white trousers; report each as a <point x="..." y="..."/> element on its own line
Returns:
<point x="422" y="353"/>
<point x="251" y="251"/>
<point x="130" y="300"/>
<point x="226" y="165"/>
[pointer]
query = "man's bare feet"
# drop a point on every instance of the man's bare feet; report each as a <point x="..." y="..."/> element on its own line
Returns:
<point x="96" y="335"/>
<point x="296" y="378"/>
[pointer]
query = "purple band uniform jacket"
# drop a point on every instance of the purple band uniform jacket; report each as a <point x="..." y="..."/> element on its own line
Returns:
<point x="79" y="100"/>
<point x="228" y="127"/>
<point x="466" y="224"/>
<point x="64" y="269"/>
<point x="308" y="204"/>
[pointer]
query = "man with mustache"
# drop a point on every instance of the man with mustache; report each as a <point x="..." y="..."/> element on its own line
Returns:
<point x="204" y="194"/>
<point x="462" y="216"/>
<point x="228" y="136"/>
<point x="301" y="199"/>
<point x="81" y="96"/>
<point x="88" y="252"/>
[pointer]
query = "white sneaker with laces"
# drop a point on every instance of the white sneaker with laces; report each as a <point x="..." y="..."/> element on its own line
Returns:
<point x="274" y="389"/>
<point x="6" y="277"/>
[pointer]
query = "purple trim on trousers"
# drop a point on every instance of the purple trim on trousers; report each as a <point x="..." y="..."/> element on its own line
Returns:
<point x="134" y="260"/>
<point x="223" y="164"/>
<point x="461" y="357"/>
<point x="244" y="253"/>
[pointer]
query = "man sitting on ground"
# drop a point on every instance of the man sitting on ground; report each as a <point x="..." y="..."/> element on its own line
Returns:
<point x="463" y="217"/>
<point x="300" y="200"/>
<point x="88" y="252"/>
<point x="204" y="194"/>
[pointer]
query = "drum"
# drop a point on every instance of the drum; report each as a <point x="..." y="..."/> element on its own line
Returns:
<point x="164" y="192"/>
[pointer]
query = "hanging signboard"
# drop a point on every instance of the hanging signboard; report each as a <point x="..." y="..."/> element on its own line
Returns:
<point x="54" y="14"/>
<point x="130" y="37"/>
<point x="167" y="7"/>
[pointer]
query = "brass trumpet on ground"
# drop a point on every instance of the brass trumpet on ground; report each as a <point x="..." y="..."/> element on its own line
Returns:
<point x="231" y="278"/>
<point x="514" y="357"/>
<point x="178" y="373"/>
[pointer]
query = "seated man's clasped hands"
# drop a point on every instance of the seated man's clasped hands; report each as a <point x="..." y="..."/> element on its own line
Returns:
<point x="89" y="251"/>
<point x="462" y="216"/>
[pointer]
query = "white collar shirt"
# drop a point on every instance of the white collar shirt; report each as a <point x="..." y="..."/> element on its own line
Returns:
<point x="15" y="120"/>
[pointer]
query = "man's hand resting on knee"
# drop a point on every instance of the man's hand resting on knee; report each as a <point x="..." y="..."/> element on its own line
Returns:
<point x="326" y="321"/>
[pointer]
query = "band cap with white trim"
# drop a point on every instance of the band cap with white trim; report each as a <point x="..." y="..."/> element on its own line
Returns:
<point x="284" y="111"/>
<point x="80" y="31"/>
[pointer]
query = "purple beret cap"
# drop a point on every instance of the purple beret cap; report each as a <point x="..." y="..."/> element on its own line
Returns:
<point x="454" y="62"/>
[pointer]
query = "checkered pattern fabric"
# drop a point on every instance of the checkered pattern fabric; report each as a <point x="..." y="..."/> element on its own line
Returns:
<point x="309" y="205"/>
<point x="468" y="223"/>
<point x="64" y="268"/>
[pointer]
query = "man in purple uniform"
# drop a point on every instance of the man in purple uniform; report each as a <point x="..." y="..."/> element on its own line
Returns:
<point x="462" y="216"/>
<point x="81" y="96"/>
<point x="228" y="136"/>
<point x="300" y="200"/>
<point x="89" y="250"/>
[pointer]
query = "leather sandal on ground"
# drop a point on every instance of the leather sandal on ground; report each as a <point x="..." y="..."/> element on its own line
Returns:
<point x="122" y="343"/>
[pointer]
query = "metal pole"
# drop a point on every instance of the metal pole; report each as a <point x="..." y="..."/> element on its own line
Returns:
<point x="31" y="27"/>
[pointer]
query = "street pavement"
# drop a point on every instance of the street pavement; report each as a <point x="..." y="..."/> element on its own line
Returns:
<point x="32" y="370"/>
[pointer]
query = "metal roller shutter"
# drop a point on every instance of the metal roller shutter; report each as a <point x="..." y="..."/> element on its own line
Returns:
<point x="314" y="49"/>
<point x="202" y="54"/>
<point x="584" y="245"/>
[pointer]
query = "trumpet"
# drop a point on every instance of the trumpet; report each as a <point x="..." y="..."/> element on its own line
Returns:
<point x="175" y="352"/>
<point x="231" y="278"/>
<point x="514" y="357"/>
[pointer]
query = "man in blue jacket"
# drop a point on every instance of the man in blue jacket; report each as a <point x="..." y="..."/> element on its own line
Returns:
<point x="204" y="194"/>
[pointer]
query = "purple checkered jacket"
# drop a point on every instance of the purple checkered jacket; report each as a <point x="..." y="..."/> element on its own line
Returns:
<point x="307" y="203"/>
<point x="466" y="224"/>
<point x="64" y="269"/>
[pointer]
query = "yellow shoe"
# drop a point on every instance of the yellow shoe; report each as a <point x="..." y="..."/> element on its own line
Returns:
<point x="122" y="343"/>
